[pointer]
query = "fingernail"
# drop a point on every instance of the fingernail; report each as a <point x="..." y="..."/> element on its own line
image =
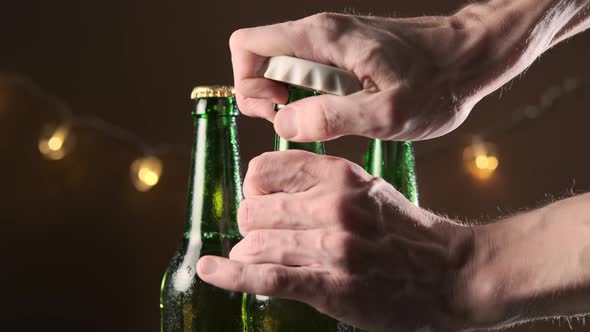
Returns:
<point x="207" y="266"/>
<point x="287" y="123"/>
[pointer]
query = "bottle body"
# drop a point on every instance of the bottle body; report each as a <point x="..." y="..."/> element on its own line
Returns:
<point x="394" y="162"/>
<point x="267" y="314"/>
<point x="193" y="305"/>
<point x="187" y="303"/>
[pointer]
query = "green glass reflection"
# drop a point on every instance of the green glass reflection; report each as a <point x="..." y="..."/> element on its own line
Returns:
<point x="394" y="162"/>
<point x="187" y="303"/>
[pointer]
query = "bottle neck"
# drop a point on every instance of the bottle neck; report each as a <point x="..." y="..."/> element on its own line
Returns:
<point x="215" y="189"/>
<point x="282" y="144"/>
<point x="394" y="162"/>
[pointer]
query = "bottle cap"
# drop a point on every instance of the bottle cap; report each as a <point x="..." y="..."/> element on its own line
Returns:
<point x="312" y="75"/>
<point x="212" y="91"/>
<point x="224" y="105"/>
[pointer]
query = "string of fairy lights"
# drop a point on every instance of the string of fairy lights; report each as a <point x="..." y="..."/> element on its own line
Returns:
<point x="57" y="141"/>
<point x="481" y="157"/>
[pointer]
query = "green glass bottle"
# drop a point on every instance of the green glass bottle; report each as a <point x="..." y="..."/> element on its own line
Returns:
<point x="187" y="304"/>
<point x="267" y="314"/>
<point x="394" y="162"/>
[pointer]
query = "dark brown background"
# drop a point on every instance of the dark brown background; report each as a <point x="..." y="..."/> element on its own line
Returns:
<point x="83" y="251"/>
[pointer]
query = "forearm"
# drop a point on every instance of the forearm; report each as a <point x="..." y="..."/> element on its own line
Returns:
<point x="532" y="265"/>
<point x="516" y="33"/>
<point x="546" y="21"/>
<point x="539" y="24"/>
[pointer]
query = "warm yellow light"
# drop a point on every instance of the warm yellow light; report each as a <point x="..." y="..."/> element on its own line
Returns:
<point x="148" y="176"/>
<point x="141" y="173"/>
<point x="481" y="161"/>
<point x="55" y="143"/>
<point x="146" y="172"/>
<point x="151" y="178"/>
<point x="492" y="163"/>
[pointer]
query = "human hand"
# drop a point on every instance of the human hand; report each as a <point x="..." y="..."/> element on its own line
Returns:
<point x="421" y="76"/>
<point x="320" y="230"/>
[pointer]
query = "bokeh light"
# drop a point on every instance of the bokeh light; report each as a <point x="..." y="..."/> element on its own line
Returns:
<point x="55" y="142"/>
<point x="481" y="160"/>
<point x="146" y="173"/>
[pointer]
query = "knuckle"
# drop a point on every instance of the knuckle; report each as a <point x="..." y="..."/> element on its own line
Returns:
<point x="323" y="241"/>
<point x="389" y="120"/>
<point x="371" y="51"/>
<point x="277" y="280"/>
<point x="279" y="205"/>
<point x="297" y="31"/>
<point x="341" y="245"/>
<point x="246" y="105"/>
<point x="242" y="102"/>
<point x="344" y="169"/>
<point x="338" y="212"/>
<point x="236" y="39"/>
<point x="350" y="211"/>
<point x="243" y="277"/>
<point x="330" y="22"/>
<point x="255" y="164"/>
<point x="325" y="26"/>
<point x="327" y="120"/>
<point x="336" y="244"/>
<point x="255" y="242"/>
<point x="297" y="239"/>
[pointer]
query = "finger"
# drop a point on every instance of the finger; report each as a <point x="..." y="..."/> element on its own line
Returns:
<point x="284" y="171"/>
<point x="251" y="48"/>
<point x="263" y="88"/>
<point x="276" y="211"/>
<point x="248" y="63"/>
<point x="365" y="113"/>
<point x="261" y="108"/>
<point x="274" y="280"/>
<point x="285" y="247"/>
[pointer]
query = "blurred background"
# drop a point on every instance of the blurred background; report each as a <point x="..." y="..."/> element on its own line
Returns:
<point x="84" y="243"/>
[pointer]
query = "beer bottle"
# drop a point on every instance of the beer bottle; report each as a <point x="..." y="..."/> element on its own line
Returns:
<point x="305" y="79"/>
<point x="394" y="162"/>
<point x="187" y="304"/>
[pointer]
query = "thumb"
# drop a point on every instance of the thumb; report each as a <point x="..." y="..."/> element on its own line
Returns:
<point x="326" y="117"/>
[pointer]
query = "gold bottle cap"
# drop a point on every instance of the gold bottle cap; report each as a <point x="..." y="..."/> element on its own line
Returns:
<point x="312" y="75"/>
<point x="211" y="91"/>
